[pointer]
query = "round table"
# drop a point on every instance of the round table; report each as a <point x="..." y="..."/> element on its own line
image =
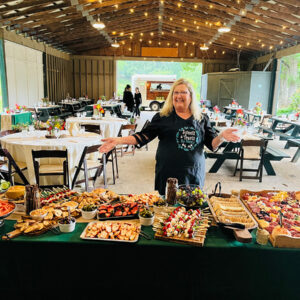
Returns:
<point x="20" y="145"/>
<point x="109" y="126"/>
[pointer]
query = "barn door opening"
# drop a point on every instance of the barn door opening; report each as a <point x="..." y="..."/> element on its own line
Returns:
<point x="226" y="91"/>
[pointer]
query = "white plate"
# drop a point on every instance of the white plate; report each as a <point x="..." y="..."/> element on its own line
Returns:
<point x="83" y="237"/>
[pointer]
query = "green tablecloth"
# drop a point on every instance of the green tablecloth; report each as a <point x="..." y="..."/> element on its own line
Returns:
<point x="21" y="118"/>
<point x="223" y="268"/>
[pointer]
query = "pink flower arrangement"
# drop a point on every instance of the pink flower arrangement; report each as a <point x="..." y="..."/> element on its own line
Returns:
<point x="216" y="109"/>
<point x="234" y="102"/>
<point x="17" y="106"/>
<point x="297" y="114"/>
<point x="240" y="112"/>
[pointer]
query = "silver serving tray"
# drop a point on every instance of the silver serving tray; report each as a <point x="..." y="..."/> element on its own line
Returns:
<point x="83" y="234"/>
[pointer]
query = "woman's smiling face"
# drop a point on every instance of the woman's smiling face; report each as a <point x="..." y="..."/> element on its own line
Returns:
<point x="181" y="98"/>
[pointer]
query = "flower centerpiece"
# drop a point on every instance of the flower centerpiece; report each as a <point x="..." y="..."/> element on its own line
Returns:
<point x="257" y="109"/>
<point x="202" y="104"/>
<point x="297" y="114"/>
<point x="55" y="124"/>
<point x="9" y="111"/>
<point x="240" y="123"/>
<point x="103" y="98"/>
<point x="216" y="109"/>
<point x="45" y="101"/>
<point x="98" y="109"/>
<point x="234" y="103"/>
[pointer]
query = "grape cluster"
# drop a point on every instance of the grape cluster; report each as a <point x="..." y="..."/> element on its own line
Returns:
<point x="190" y="195"/>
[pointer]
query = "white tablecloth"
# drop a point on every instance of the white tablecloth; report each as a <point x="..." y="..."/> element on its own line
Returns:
<point x="109" y="126"/>
<point x="20" y="146"/>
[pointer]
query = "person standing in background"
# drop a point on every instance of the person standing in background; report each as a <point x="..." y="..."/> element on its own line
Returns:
<point x="128" y="98"/>
<point x="137" y="102"/>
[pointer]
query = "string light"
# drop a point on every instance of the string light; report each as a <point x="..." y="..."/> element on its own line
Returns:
<point x="146" y="14"/>
<point x="231" y="42"/>
<point x="131" y="10"/>
<point x="159" y="17"/>
<point x="281" y="42"/>
<point x="215" y="51"/>
<point x="171" y="19"/>
<point x="151" y="33"/>
<point x="248" y="44"/>
<point x="176" y="44"/>
<point x="240" y="46"/>
<point x="197" y="27"/>
<point x="183" y="20"/>
<point x="191" y="54"/>
<point x="195" y="6"/>
<point x="193" y="43"/>
<point x="195" y="22"/>
<point x="262" y="45"/>
<point x="141" y="34"/>
<point x="122" y="33"/>
<point x="211" y="6"/>
<point x="185" y="44"/>
<point x="223" y="52"/>
<point x="271" y="47"/>
<point x="179" y="4"/>
<point x="233" y="39"/>
<point x="150" y="42"/>
<point x="141" y="40"/>
<point x="116" y="6"/>
<point x="159" y="43"/>
<point x="114" y="32"/>
<point x="173" y="31"/>
<point x="168" y="44"/>
<point x="185" y="29"/>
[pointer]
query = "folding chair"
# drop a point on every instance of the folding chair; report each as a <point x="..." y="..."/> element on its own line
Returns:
<point x="86" y="165"/>
<point x="51" y="169"/>
<point x="10" y="167"/>
<point x="256" y="155"/>
<point x="124" y="148"/>
<point x="92" y="128"/>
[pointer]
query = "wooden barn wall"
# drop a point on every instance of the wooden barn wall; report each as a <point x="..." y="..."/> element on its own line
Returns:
<point x="209" y="67"/>
<point x="93" y="76"/>
<point x="59" y="78"/>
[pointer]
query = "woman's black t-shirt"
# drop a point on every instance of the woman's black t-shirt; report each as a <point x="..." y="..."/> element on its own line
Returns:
<point x="180" y="149"/>
<point x="137" y="98"/>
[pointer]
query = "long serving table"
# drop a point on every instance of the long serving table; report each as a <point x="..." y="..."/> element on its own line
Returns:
<point x="64" y="265"/>
<point x="114" y="108"/>
<point x="7" y="120"/>
<point x="290" y="132"/>
<point x="232" y="110"/>
<point x="229" y="153"/>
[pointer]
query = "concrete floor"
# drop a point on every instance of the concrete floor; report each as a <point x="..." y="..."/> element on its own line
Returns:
<point x="136" y="173"/>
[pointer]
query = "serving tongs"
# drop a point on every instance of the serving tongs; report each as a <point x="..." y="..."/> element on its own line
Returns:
<point x="145" y="235"/>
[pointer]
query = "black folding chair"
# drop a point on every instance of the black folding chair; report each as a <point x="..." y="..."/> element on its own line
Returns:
<point x="10" y="167"/>
<point x="51" y="169"/>
<point x="86" y="165"/>
<point x="261" y="145"/>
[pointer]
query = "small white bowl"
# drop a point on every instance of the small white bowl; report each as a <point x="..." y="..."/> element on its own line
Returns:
<point x="67" y="227"/>
<point x="146" y="221"/>
<point x="89" y="214"/>
<point x="38" y="217"/>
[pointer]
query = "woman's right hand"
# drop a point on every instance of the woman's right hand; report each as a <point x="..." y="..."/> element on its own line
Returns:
<point x="109" y="144"/>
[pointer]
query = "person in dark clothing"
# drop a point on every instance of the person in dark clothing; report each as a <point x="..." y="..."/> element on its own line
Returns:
<point x="182" y="131"/>
<point x="137" y="102"/>
<point x="128" y="98"/>
<point x="159" y="87"/>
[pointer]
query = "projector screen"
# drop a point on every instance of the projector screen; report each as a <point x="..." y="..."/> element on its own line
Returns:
<point x="24" y="69"/>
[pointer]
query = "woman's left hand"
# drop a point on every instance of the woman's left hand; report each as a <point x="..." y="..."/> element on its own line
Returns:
<point x="229" y="135"/>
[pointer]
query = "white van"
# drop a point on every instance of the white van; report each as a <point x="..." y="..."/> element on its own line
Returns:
<point x="154" y="89"/>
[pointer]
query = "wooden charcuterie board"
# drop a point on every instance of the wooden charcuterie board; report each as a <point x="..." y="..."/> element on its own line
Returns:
<point x="241" y="235"/>
<point x="198" y="241"/>
<point x="280" y="241"/>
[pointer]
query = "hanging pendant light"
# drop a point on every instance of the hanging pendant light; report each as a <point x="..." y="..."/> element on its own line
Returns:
<point x="204" y="47"/>
<point x="115" y="44"/>
<point x="224" y="29"/>
<point x="98" y="24"/>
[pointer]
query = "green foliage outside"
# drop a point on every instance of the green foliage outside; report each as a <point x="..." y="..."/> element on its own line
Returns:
<point x="190" y="71"/>
<point x="289" y="93"/>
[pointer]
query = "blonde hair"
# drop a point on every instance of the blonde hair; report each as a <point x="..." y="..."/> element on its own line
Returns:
<point x="168" y="106"/>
